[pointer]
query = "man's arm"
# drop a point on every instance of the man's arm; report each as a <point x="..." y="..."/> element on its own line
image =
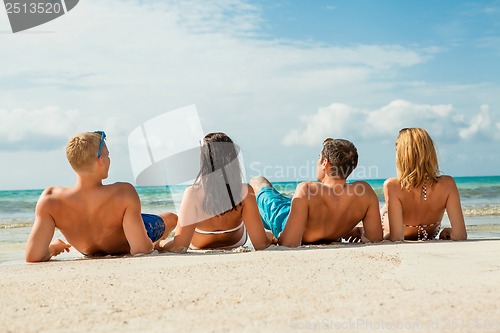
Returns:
<point x="297" y="220"/>
<point x="372" y="224"/>
<point x="38" y="247"/>
<point x="133" y="226"/>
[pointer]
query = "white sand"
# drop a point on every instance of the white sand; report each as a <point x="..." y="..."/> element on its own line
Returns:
<point x="411" y="287"/>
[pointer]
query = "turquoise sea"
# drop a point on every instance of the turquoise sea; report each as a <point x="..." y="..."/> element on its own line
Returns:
<point x="480" y="202"/>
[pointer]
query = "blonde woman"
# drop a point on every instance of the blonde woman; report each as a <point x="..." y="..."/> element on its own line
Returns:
<point x="417" y="199"/>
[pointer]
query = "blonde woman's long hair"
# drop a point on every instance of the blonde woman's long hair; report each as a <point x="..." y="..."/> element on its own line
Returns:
<point x="416" y="158"/>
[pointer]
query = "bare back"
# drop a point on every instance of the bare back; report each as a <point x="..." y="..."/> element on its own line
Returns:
<point x="407" y="210"/>
<point x="323" y="213"/>
<point x="228" y="221"/>
<point x="91" y="221"/>
<point x="95" y="219"/>
<point x="192" y="217"/>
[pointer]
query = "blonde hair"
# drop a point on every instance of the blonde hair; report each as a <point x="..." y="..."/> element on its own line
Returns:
<point x="416" y="158"/>
<point x="81" y="150"/>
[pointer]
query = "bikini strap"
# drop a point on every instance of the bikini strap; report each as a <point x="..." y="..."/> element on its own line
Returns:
<point x="422" y="234"/>
<point x="218" y="232"/>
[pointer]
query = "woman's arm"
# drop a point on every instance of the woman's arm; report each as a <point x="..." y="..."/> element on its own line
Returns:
<point x="394" y="209"/>
<point x="251" y="217"/>
<point x="188" y="218"/>
<point x="455" y="214"/>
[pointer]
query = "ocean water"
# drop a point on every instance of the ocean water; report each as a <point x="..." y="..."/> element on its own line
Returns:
<point x="480" y="198"/>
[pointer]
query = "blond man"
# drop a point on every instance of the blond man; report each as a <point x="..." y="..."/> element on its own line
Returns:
<point x="95" y="219"/>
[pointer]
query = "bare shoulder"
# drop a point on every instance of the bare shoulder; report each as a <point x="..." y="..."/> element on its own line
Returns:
<point x="191" y="191"/>
<point x="446" y="184"/>
<point x="360" y="187"/>
<point x="359" y="183"/>
<point x="391" y="182"/>
<point x="446" y="181"/>
<point x="246" y="190"/>
<point x="122" y="191"/>
<point x="50" y="199"/>
<point x="193" y="194"/>
<point x="54" y="191"/>
<point x="51" y="194"/>
<point x="247" y="195"/>
<point x="392" y="185"/>
<point x="122" y="188"/>
<point x="304" y="189"/>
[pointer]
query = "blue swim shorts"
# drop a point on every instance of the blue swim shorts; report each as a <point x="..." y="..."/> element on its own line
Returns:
<point x="154" y="226"/>
<point x="274" y="208"/>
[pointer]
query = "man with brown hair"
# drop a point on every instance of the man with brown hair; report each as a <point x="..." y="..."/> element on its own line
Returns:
<point x="322" y="212"/>
<point x="95" y="219"/>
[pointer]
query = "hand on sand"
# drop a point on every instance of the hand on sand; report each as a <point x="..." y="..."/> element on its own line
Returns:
<point x="160" y="245"/>
<point x="58" y="246"/>
<point x="271" y="237"/>
<point x="356" y="235"/>
<point x="445" y="234"/>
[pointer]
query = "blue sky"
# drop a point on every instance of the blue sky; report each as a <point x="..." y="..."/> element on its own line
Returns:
<point x="277" y="77"/>
<point x="461" y="28"/>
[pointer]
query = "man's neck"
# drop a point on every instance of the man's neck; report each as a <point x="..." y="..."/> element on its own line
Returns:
<point x="333" y="181"/>
<point x="87" y="182"/>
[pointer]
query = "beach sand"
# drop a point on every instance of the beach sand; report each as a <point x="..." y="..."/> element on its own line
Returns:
<point x="412" y="287"/>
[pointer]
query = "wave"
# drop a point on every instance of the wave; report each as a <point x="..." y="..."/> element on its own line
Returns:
<point x="483" y="210"/>
<point x="16" y="225"/>
<point x="17" y="206"/>
<point x="480" y="192"/>
<point x="484" y="227"/>
<point x="157" y="202"/>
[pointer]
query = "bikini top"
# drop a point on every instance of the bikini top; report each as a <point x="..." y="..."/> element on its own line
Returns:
<point x="422" y="234"/>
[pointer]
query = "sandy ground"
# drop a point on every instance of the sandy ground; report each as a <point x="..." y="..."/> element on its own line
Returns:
<point x="410" y="287"/>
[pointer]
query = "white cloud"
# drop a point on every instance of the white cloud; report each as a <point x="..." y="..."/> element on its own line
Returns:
<point x="238" y="18"/>
<point x="344" y="121"/>
<point x="45" y="129"/>
<point x="332" y="121"/>
<point x="481" y="126"/>
<point x="212" y="45"/>
<point x="135" y="60"/>
<point x="388" y="120"/>
<point x="36" y="129"/>
<point x="207" y="36"/>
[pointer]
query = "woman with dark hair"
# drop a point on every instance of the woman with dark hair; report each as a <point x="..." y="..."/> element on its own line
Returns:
<point x="417" y="199"/>
<point x="218" y="211"/>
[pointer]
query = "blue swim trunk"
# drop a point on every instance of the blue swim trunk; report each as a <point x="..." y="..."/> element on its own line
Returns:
<point x="274" y="208"/>
<point x="154" y="226"/>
